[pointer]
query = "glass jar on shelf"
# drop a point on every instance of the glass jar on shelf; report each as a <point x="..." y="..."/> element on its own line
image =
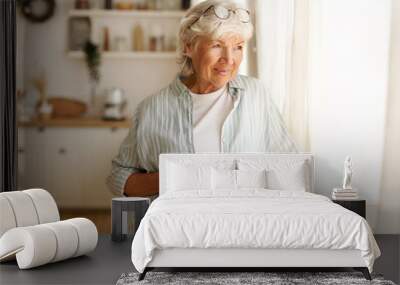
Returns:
<point x="138" y="38"/>
<point x="120" y="44"/>
<point x="185" y="4"/>
<point x="141" y="4"/>
<point x="105" y="39"/>
<point x="124" y="5"/>
<point x="156" y="41"/>
<point x="158" y="4"/>
<point x="171" y="5"/>
<point x="82" y="4"/>
<point x="151" y="4"/>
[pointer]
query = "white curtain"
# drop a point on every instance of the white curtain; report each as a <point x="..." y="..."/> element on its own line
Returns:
<point x="389" y="207"/>
<point x="286" y="33"/>
<point x="296" y="103"/>
<point x="282" y="55"/>
<point x="274" y="29"/>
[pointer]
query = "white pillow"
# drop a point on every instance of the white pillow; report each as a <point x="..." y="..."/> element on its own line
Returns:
<point x="281" y="174"/>
<point x="181" y="177"/>
<point x="251" y="178"/>
<point x="288" y="179"/>
<point x="223" y="179"/>
<point x="236" y="179"/>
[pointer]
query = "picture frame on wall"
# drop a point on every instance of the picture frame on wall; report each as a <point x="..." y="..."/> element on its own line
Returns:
<point x="79" y="33"/>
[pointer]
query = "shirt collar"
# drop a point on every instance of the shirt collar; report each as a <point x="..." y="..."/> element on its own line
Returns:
<point x="180" y="88"/>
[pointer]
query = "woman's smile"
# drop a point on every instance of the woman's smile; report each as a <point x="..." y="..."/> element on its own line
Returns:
<point x="222" y="72"/>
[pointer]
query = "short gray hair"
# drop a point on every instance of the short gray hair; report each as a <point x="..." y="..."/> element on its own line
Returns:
<point x="211" y="27"/>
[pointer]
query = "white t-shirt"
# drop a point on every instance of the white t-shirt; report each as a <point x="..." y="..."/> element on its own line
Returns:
<point x="209" y="113"/>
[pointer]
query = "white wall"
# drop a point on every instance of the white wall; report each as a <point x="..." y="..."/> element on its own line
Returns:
<point x="45" y="49"/>
<point x="349" y="72"/>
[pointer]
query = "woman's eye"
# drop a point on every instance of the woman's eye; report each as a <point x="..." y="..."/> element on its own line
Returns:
<point x="216" y="45"/>
<point x="239" y="48"/>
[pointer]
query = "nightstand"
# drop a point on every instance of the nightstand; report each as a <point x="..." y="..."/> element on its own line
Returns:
<point x="357" y="206"/>
<point x="119" y="215"/>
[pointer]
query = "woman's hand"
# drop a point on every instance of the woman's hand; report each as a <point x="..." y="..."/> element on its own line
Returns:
<point x="142" y="185"/>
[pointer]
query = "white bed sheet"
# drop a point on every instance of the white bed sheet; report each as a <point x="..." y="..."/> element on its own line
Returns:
<point x="250" y="218"/>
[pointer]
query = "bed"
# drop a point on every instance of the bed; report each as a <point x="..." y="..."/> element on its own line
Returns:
<point x="247" y="210"/>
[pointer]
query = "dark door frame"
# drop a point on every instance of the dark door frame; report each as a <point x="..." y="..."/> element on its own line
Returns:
<point x="8" y="127"/>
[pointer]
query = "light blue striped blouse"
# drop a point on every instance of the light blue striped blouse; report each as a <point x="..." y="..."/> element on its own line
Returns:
<point x="162" y="123"/>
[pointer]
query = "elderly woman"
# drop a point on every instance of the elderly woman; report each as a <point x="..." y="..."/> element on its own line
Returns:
<point x="207" y="108"/>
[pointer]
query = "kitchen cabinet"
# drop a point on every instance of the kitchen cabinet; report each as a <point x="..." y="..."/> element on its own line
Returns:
<point x="71" y="163"/>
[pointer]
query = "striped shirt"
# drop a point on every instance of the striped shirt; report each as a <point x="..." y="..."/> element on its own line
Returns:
<point x="162" y="123"/>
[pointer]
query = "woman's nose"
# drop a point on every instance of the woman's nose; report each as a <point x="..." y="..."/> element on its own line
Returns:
<point x="227" y="55"/>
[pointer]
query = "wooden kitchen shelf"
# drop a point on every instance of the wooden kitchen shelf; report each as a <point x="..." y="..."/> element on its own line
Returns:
<point x="127" y="13"/>
<point x="128" y="55"/>
<point x="81" y="122"/>
<point x="100" y="18"/>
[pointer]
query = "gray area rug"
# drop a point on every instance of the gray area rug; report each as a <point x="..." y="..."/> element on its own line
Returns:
<point x="269" y="278"/>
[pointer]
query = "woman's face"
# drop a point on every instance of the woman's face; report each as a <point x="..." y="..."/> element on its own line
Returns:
<point x="215" y="62"/>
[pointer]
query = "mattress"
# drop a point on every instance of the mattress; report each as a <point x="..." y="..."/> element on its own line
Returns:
<point x="250" y="219"/>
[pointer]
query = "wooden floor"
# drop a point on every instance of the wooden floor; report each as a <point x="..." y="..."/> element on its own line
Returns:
<point x="100" y="217"/>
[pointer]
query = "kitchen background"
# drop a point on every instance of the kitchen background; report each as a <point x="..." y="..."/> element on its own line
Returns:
<point x="74" y="106"/>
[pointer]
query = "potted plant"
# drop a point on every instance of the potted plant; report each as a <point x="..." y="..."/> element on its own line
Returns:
<point x="93" y="61"/>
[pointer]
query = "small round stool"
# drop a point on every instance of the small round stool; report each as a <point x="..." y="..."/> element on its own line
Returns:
<point x="119" y="212"/>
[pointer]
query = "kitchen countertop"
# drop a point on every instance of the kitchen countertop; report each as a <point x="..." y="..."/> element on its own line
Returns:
<point x="80" y="122"/>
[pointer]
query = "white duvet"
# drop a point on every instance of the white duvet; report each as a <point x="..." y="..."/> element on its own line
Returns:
<point x="250" y="218"/>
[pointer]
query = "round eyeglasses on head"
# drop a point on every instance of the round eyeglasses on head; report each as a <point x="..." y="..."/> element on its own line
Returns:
<point x="224" y="13"/>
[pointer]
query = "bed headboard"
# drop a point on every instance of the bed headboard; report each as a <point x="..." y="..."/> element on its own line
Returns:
<point x="234" y="159"/>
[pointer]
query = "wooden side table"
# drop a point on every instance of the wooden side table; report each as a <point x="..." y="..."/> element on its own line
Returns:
<point x="357" y="206"/>
<point x="119" y="211"/>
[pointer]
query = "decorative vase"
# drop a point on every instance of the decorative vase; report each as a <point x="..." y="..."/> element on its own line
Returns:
<point x="45" y="110"/>
<point x="92" y="108"/>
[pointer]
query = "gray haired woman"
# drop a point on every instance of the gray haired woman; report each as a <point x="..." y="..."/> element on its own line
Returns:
<point x="207" y="108"/>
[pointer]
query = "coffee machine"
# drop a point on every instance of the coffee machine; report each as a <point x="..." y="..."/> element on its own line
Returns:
<point x="114" y="105"/>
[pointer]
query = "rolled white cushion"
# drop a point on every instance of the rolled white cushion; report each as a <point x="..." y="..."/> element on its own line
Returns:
<point x="23" y="208"/>
<point x="33" y="246"/>
<point x="45" y="205"/>
<point x="41" y="244"/>
<point x="67" y="240"/>
<point x="7" y="218"/>
<point x="87" y="234"/>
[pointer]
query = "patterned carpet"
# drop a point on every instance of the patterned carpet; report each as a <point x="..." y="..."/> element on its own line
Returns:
<point x="243" y="278"/>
